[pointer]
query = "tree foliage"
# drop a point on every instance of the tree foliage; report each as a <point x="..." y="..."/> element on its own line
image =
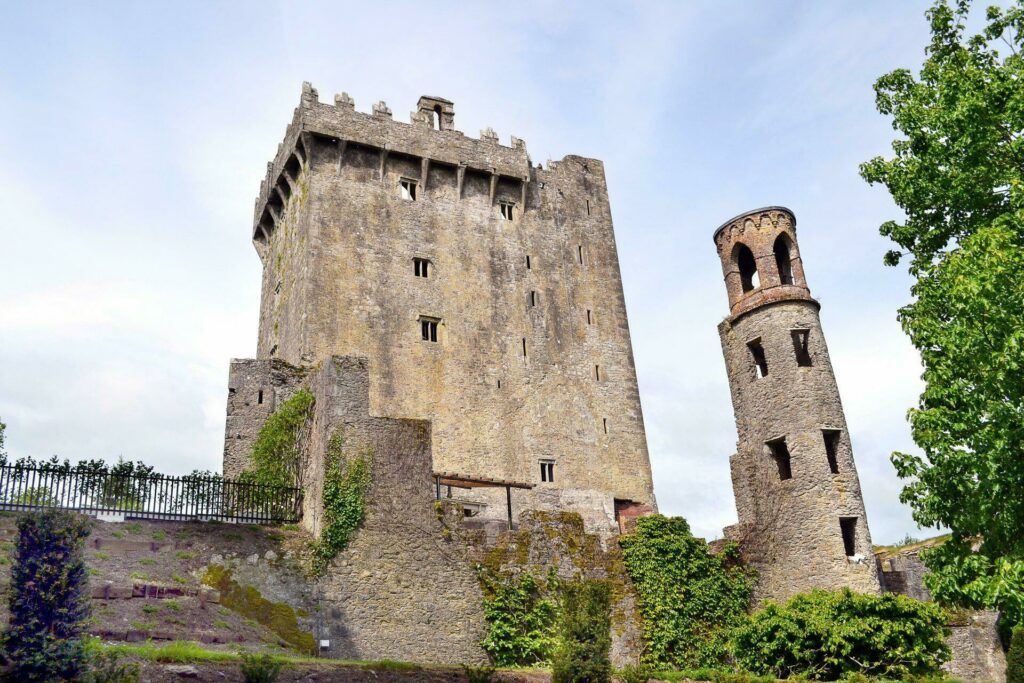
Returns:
<point x="826" y="636"/>
<point x="689" y="599"/>
<point x="48" y="598"/>
<point x="958" y="175"/>
<point x="275" y="452"/>
<point x="584" y="634"/>
<point x="1015" y="657"/>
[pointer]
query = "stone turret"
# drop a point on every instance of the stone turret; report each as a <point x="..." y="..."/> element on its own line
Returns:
<point x="801" y="514"/>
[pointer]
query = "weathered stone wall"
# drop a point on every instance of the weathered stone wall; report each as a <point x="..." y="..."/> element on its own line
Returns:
<point x="339" y="280"/>
<point x="789" y="528"/>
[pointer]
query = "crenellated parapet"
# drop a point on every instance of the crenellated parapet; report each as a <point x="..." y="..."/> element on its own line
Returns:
<point x="430" y="137"/>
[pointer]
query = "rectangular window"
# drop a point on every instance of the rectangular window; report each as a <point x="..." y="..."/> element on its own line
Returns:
<point x="533" y="298"/>
<point x="597" y="372"/>
<point x="524" y="347"/>
<point x="831" y="437"/>
<point x="408" y="189"/>
<point x="579" y="253"/>
<point x="259" y="396"/>
<point x="800" y="347"/>
<point x="760" y="362"/>
<point x="547" y="471"/>
<point x="428" y="329"/>
<point x="779" y="452"/>
<point x="848" y="525"/>
<point x="588" y="207"/>
<point x="421" y="267"/>
<point x="605" y="420"/>
<point x="506" y="210"/>
<point x="590" y="317"/>
<point x="528" y="262"/>
<point x="277" y="287"/>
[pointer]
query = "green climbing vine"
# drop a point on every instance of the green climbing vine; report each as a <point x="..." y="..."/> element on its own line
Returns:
<point x="346" y="483"/>
<point x="522" y="616"/>
<point x="689" y="599"/>
<point x="275" y="453"/>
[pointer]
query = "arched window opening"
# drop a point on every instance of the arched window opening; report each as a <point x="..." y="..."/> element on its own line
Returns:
<point x="437" y="116"/>
<point x="783" y="260"/>
<point x="748" y="268"/>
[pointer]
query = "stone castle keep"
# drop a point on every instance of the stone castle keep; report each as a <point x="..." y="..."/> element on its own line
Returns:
<point x="457" y="311"/>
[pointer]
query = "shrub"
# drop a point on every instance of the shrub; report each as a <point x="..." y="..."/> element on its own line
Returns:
<point x="634" y="673"/>
<point x="108" y="666"/>
<point x="825" y="635"/>
<point x="275" y="452"/>
<point x="582" y="654"/>
<point x="48" y="597"/>
<point x="521" y="613"/>
<point x="689" y="598"/>
<point x="260" y="668"/>
<point x="1015" y="657"/>
<point x="478" y="674"/>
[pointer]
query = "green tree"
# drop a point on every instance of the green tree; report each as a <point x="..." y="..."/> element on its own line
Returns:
<point x="48" y="598"/>
<point x="1015" y="657"/>
<point x="585" y="641"/>
<point x="958" y="175"/>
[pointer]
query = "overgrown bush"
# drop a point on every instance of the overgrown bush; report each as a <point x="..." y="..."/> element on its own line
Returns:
<point x="633" y="673"/>
<point x="689" y="598"/>
<point x="260" y="668"/>
<point x="1015" y="657"/>
<point x="826" y="636"/>
<point x="48" y="598"/>
<point x="521" y="613"/>
<point x="584" y="634"/>
<point x="478" y="674"/>
<point x="346" y="483"/>
<point x="110" y="666"/>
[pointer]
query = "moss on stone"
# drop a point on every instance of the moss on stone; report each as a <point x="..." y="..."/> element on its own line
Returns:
<point x="247" y="601"/>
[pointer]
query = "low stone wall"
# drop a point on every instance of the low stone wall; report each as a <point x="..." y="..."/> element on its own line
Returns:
<point x="976" y="649"/>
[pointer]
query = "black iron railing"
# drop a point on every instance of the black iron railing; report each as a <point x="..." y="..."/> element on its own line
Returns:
<point x="147" y="495"/>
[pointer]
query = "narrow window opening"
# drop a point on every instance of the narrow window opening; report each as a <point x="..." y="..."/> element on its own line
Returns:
<point x="273" y="350"/>
<point x="421" y="267"/>
<point x="533" y="298"/>
<point x="760" y="361"/>
<point x="259" y="397"/>
<point x="848" y="525"/>
<point x="605" y="421"/>
<point x="528" y="262"/>
<point x="277" y="287"/>
<point x="831" y="437"/>
<point x="547" y="471"/>
<point x="507" y="211"/>
<point x="408" y="188"/>
<point x="597" y="372"/>
<point x="499" y="384"/>
<point x="579" y="253"/>
<point x="524" y="347"/>
<point x="590" y="317"/>
<point x="783" y="260"/>
<point x="437" y="115"/>
<point x="428" y="329"/>
<point x="779" y="452"/>
<point x="747" y="266"/>
<point x="588" y="207"/>
<point x="800" y="347"/>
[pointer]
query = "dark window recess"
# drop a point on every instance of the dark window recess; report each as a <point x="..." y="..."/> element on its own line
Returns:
<point x="760" y="361"/>
<point x="277" y="287"/>
<point x="749" y="280"/>
<point x="579" y="253"/>
<point x="499" y="384"/>
<point x="506" y="210"/>
<point x="533" y="298"/>
<point x="421" y="267"/>
<point x="524" y="347"/>
<point x="605" y="420"/>
<point x="528" y="262"/>
<point x="588" y="207"/>
<point x="590" y="317"/>
<point x="831" y="437"/>
<point x="408" y="189"/>
<point x="597" y="372"/>
<point x="800" y="342"/>
<point x="780" y="454"/>
<point x="848" y="525"/>
<point x="428" y="329"/>
<point x="273" y="350"/>
<point x="547" y="471"/>
<point x="783" y="261"/>
<point x="259" y="397"/>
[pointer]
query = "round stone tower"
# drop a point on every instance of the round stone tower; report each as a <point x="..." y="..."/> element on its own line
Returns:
<point x="798" y="497"/>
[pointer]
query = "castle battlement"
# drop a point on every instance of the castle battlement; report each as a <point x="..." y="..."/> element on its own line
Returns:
<point x="419" y="139"/>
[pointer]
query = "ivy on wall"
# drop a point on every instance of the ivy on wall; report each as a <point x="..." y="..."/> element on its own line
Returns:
<point x="522" y="616"/>
<point x="689" y="599"/>
<point x="346" y="483"/>
<point x="275" y="452"/>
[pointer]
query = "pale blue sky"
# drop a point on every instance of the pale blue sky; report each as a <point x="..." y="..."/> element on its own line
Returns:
<point x="133" y="137"/>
